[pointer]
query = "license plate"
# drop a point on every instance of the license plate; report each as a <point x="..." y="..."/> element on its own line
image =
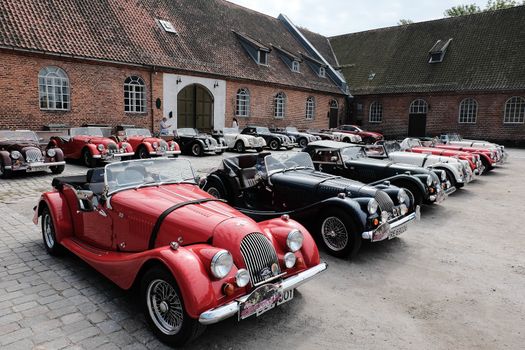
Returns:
<point x="263" y="299"/>
<point x="381" y="232"/>
<point x="440" y="197"/>
<point x="35" y="168"/>
<point x="397" y="231"/>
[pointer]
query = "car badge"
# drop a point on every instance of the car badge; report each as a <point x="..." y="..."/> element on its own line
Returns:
<point x="265" y="273"/>
<point x="242" y="223"/>
<point x="384" y="216"/>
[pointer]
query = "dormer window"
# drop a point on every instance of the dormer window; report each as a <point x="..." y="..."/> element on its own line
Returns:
<point x="167" y="26"/>
<point x="257" y="50"/>
<point x="322" y="72"/>
<point x="296" y="66"/>
<point x="437" y="52"/>
<point x="262" y="58"/>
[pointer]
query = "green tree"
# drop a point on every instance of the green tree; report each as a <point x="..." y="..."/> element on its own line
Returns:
<point x="500" y="4"/>
<point x="404" y="22"/>
<point x="462" y="10"/>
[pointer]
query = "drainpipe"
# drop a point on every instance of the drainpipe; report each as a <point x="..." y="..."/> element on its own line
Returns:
<point x="152" y="103"/>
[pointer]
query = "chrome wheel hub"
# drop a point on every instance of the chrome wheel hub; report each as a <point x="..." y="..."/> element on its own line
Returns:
<point x="214" y="192"/>
<point x="165" y="307"/>
<point x="334" y="233"/>
<point x="48" y="232"/>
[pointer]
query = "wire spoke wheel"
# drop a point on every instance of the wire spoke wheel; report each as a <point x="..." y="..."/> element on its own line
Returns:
<point x="47" y="227"/>
<point x="214" y="191"/>
<point x="165" y="307"/>
<point x="334" y="233"/>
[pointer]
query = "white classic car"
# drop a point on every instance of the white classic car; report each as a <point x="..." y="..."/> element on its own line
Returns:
<point x="458" y="171"/>
<point x="345" y="137"/>
<point x="241" y="142"/>
<point x="457" y="140"/>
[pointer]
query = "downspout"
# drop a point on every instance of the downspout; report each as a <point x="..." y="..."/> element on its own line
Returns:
<point x="152" y="103"/>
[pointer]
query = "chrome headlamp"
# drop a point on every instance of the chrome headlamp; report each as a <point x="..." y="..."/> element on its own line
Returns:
<point x="124" y="147"/>
<point x="155" y="145"/>
<point x="221" y="264"/>
<point x="16" y="155"/>
<point x="443" y="176"/>
<point x="100" y="147"/>
<point x="402" y="197"/>
<point x="372" y="206"/>
<point x="289" y="260"/>
<point x="429" y="180"/>
<point x="295" y="239"/>
<point x="51" y="152"/>
<point x="242" y="278"/>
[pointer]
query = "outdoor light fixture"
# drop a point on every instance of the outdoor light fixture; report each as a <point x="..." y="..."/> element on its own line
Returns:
<point x="179" y="80"/>
<point x="216" y="84"/>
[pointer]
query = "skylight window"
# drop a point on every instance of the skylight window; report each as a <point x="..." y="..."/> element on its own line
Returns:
<point x="437" y="52"/>
<point x="322" y="72"/>
<point x="167" y="26"/>
<point x="296" y="67"/>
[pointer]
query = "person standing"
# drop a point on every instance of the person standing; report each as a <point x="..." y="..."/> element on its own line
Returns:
<point x="235" y="123"/>
<point x="164" y="127"/>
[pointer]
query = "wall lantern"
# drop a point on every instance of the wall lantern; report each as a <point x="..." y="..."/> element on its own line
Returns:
<point x="179" y="80"/>
<point x="216" y="85"/>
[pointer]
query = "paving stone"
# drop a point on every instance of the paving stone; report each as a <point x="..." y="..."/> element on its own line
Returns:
<point x="15" y="336"/>
<point x="83" y="334"/>
<point x="109" y="326"/>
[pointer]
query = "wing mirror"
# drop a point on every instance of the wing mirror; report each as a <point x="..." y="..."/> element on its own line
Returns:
<point x="85" y="198"/>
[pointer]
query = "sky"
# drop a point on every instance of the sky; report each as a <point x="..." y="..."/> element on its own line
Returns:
<point x="333" y="17"/>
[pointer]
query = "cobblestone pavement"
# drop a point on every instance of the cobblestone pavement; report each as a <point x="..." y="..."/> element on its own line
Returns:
<point x="454" y="280"/>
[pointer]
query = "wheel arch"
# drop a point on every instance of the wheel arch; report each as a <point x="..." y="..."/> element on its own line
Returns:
<point x="59" y="208"/>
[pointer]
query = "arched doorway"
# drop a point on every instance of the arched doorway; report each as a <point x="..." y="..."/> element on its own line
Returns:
<point x="333" y="115"/>
<point x="195" y="108"/>
<point x="417" y="118"/>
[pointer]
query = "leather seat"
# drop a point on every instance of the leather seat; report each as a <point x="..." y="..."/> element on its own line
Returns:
<point x="95" y="181"/>
<point x="247" y="170"/>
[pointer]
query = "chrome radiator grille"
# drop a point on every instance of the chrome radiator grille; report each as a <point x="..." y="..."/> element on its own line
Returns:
<point x="384" y="201"/>
<point x="34" y="155"/>
<point x="259" y="256"/>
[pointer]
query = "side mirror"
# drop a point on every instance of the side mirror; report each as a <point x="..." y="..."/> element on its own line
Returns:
<point x="85" y="199"/>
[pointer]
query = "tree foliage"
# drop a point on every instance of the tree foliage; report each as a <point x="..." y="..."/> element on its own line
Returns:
<point x="492" y="5"/>
<point x="404" y="22"/>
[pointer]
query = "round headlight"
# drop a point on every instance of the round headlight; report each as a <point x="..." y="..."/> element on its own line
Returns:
<point x="289" y="260"/>
<point x="443" y="176"/>
<point x="402" y="197"/>
<point x="16" y="155"/>
<point x="429" y="180"/>
<point x="372" y="206"/>
<point x="51" y="152"/>
<point x="221" y="264"/>
<point x="242" y="278"/>
<point x="295" y="240"/>
<point x="100" y="147"/>
<point x="155" y="145"/>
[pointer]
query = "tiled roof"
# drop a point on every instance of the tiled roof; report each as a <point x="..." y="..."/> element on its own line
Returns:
<point x="322" y="44"/>
<point x="486" y="53"/>
<point x="128" y="31"/>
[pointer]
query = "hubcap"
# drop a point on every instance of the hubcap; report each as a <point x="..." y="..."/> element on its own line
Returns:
<point x="334" y="233"/>
<point x="214" y="192"/>
<point x="273" y="145"/>
<point x="48" y="232"/>
<point x="239" y="147"/>
<point x="86" y="158"/>
<point x="195" y="149"/>
<point x="165" y="307"/>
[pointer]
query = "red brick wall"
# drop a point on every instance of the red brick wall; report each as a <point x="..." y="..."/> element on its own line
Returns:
<point x="443" y="115"/>
<point x="262" y="106"/>
<point x="97" y="94"/>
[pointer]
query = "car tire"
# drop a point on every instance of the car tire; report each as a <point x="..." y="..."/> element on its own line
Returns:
<point x="486" y="164"/>
<point x="302" y="142"/>
<point x="451" y="178"/>
<point x="88" y="160"/>
<point x="349" y="242"/>
<point x="174" y="329"/>
<point x="347" y="140"/>
<point x="216" y="189"/>
<point x="58" y="169"/>
<point x="49" y="234"/>
<point x="239" y="146"/>
<point x="143" y="153"/>
<point x="197" y="150"/>
<point x="274" y="145"/>
<point x="5" y="173"/>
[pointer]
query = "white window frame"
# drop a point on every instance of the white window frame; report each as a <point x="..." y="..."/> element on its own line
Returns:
<point x="279" y="109"/>
<point x="322" y="72"/>
<point x="53" y="89"/>
<point x="242" y="103"/>
<point x="310" y="108"/>
<point x="418" y="106"/>
<point x="375" y="114"/>
<point x="514" y="110"/>
<point x="135" y="102"/>
<point x="468" y="111"/>
<point x="296" y="67"/>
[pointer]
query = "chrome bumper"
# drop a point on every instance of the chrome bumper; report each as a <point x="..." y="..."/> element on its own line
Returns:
<point x="215" y="148"/>
<point x="223" y="312"/>
<point x="34" y="166"/>
<point x="438" y="197"/>
<point x="450" y="190"/>
<point x="164" y="154"/>
<point x="410" y="217"/>
<point x="109" y="157"/>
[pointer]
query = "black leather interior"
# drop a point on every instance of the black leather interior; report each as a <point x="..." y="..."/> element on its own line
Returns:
<point x="95" y="181"/>
<point x="247" y="170"/>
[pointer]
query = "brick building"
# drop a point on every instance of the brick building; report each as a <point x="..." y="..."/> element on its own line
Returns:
<point x="199" y="62"/>
<point x="464" y="74"/>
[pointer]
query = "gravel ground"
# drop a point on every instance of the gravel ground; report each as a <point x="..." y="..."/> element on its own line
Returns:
<point x="454" y="280"/>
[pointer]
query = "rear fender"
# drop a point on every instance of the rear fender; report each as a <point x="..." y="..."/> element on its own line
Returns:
<point x="60" y="212"/>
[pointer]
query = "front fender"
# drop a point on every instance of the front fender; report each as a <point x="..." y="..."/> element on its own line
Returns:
<point x="92" y="149"/>
<point x="148" y="146"/>
<point x="60" y="212"/>
<point x="448" y="167"/>
<point x="59" y="155"/>
<point x="6" y="159"/>
<point x="416" y="181"/>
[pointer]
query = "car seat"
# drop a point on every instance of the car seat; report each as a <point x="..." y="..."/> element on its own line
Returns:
<point x="95" y="181"/>
<point x="247" y="170"/>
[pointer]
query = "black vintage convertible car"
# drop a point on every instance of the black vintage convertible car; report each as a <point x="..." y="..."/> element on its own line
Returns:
<point x="302" y="138"/>
<point x="351" y="161"/>
<point x="195" y="143"/>
<point x="273" y="141"/>
<point x="341" y="211"/>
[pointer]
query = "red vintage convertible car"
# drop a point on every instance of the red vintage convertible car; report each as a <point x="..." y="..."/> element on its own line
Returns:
<point x="196" y="260"/>
<point x="90" y="145"/>
<point x="368" y="137"/>
<point x="415" y="145"/>
<point x="488" y="157"/>
<point x="144" y="144"/>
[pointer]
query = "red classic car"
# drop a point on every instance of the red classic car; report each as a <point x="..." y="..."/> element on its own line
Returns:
<point x="488" y="157"/>
<point x="20" y="151"/>
<point x="415" y="145"/>
<point x="90" y="145"/>
<point x="145" y="145"/>
<point x="196" y="260"/>
<point x="368" y="137"/>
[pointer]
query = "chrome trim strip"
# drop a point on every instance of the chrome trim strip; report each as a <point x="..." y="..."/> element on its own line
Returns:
<point x="223" y="312"/>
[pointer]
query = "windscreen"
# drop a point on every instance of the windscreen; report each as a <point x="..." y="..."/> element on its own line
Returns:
<point x="8" y="135"/>
<point x="352" y="153"/>
<point x="150" y="172"/>
<point x="88" y="131"/>
<point x="291" y="129"/>
<point x="138" y="132"/>
<point x="292" y="161"/>
<point x="263" y="130"/>
<point x="187" y="132"/>
<point x="230" y="131"/>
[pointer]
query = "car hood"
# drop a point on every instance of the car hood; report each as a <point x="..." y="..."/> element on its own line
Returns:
<point x="95" y="140"/>
<point x="19" y="146"/>
<point x="211" y="222"/>
<point x="325" y="185"/>
<point x="144" y="139"/>
<point x="400" y="167"/>
<point x="371" y="134"/>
